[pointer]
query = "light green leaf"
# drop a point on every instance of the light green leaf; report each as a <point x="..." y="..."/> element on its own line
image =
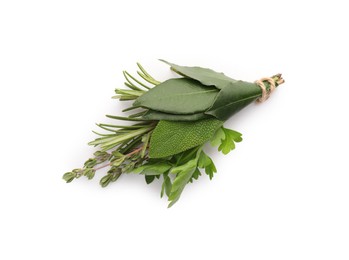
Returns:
<point x="228" y="143"/>
<point x="166" y="186"/>
<point x="216" y="140"/>
<point x="233" y="135"/>
<point x="184" y="174"/>
<point x="178" y="96"/>
<point x="69" y="176"/>
<point x="206" y="162"/>
<point x="153" y="169"/>
<point x="195" y="175"/>
<point x="171" y="137"/>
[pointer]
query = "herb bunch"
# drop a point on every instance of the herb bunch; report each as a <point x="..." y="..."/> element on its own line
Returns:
<point x="168" y="125"/>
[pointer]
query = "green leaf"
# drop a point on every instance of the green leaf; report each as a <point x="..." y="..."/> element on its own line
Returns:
<point x="228" y="143"/>
<point x="184" y="174"/>
<point x="149" y="178"/>
<point x="206" y="162"/>
<point x="90" y="163"/>
<point x="105" y="180"/>
<point x="233" y="98"/>
<point x="186" y="156"/>
<point x="171" y="137"/>
<point x="145" y="141"/>
<point x="156" y="115"/>
<point x="118" y="161"/>
<point x="69" y="176"/>
<point x="205" y="76"/>
<point x="233" y="135"/>
<point x="178" y="96"/>
<point x="216" y="140"/>
<point x="195" y="175"/>
<point x="89" y="173"/>
<point x="166" y="186"/>
<point x="210" y="170"/>
<point x="153" y="169"/>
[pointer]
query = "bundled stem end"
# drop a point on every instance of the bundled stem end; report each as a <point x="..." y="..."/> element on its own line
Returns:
<point x="278" y="79"/>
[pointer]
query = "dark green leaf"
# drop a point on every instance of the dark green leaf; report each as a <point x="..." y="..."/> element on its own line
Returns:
<point x="195" y="175"/>
<point x="186" y="156"/>
<point x="233" y="98"/>
<point x="156" y="115"/>
<point x="205" y="76"/>
<point x="178" y="96"/>
<point x="171" y="137"/>
<point x="149" y="178"/>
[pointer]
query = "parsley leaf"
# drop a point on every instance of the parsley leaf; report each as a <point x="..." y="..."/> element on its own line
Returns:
<point x="228" y="143"/>
<point x="156" y="168"/>
<point x="206" y="162"/>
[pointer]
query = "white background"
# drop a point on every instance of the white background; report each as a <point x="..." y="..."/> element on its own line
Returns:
<point x="282" y="194"/>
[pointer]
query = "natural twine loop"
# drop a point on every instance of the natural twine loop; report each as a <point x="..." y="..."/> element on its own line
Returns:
<point x="265" y="93"/>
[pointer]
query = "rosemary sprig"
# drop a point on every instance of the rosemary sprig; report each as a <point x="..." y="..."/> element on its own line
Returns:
<point x="123" y="147"/>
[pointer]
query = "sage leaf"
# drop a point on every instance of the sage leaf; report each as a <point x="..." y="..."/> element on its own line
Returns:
<point x="170" y="137"/>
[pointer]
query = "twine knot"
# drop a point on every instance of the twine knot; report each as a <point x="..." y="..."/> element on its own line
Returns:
<point x="265" y="92"/>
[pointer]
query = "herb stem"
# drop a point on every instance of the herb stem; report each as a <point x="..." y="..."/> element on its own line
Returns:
<point x="127" y="155"/>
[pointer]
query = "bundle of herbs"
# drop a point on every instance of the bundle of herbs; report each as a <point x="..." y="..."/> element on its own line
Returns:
<point x="168" y="124"/>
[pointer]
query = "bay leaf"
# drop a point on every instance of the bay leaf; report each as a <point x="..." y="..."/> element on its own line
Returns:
<point x="232" y="98"/>
<point x="178" y="96"/>
<point x="156" y="115"/>
<point x="205" y="76"/>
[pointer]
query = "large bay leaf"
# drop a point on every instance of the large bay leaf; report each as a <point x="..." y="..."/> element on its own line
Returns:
<point x="178" y="96"/>
<point x="156" y="115"/>
<point x="205" y="76"/>
<point x="171" y="137"/>
<point x="233" y="98"/>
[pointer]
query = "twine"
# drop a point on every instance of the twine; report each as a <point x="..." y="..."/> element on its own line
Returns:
<point x="265" y="93"/>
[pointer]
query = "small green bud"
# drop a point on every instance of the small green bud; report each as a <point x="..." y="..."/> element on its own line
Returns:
<point x="69" y="176"/>
<point x="90" y="163"/>
<point x="117" y="154"/>
<point x="101" y="156"/>
<point x="78" y="172"/>
<point x="105" y="180"/>
<point x="118" y="161"/>
<point x="89" y="173"/>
